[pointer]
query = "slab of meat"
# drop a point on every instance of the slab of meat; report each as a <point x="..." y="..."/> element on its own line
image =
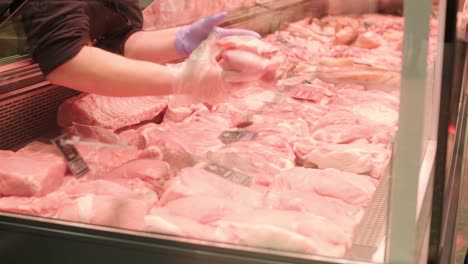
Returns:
<point x="121" y="188"/>
<point x="340" y="213"/>
<point x="370" y="78"/>
<point x="375" y="114"/>
<point x="255" y="158"/>
<point x="181" y="144"/>
<point x="109" y="112"/>
<point x="359" y="157"/>
<point x="351" y="97"/>
<point x="182" y="113"/>
<point x="104" y="210"/>
<point x="250" y="58"/>
<point x="161" y="221"/>
<point x="99" y="159"/>
<point x="196" y="181"/>
<point x="30" y="174"/>
<point x="153" y="172"/>
<point x="316" y="91"/>
<point x="349" y="187"/>
<point x="286" y="230"/>
<point x="94" y="133"/>
<point x="347" y="133"/>
<point x="46" y="206"/>
<point x="204" y="208"/>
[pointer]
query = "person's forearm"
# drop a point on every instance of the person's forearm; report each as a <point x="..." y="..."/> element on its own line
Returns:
<point x="154" y="46"/>
<point x="100" y="72"/>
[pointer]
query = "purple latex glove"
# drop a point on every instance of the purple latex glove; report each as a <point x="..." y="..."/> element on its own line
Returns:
<point x="189" y="37"/>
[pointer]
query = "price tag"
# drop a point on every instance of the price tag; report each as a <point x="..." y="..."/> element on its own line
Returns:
<point x="228" y="137"/>
<point x="229" y="174"/>
<point x="75" y="162"/>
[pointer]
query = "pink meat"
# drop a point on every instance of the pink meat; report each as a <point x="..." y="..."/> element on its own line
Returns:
<point x="154" y="173"/>
<point x="94" y="133"/>
<point x="195" y="181"/>
<point x="346" y="133"/>
<point x="247" y="43"/>
<point x="286" y="230"/>
<point x="335" y="118"/>
<point x="45" y="206"/>
<point x="105" y="210"/>
<point x="204" y="208"/>
<point x="100" y="159"/>
<point x="29" y="174"/>
<point x="256" y="159"/>
<point x="334" y="210"/>
<point x="247" y="59"/>
<point x="359" y="157"/>
<point x="349" y="187"/>
<point x="109" y="112"/>
<point x="161" y="221"/>
<point x="240" y="60"/>
<point x="123" y="188"/>
<point x="351" y="97"/>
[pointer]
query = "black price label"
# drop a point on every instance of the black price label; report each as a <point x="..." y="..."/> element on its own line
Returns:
<point x="75" y="162"/>
<point x="228" y="137"/>
<point x="229" y="174"/>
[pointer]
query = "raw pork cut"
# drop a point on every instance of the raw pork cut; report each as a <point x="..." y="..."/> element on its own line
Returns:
<point x="30" y="174"/>
<point x="160" y="221"/>
<point x="153" y="172"/>
<point x="197" y="181"/>
<point x="121" y="188"/>
<point x="342" y="214"/>
<point x="358" y="157"/>
<point x="45" y="206"/>
<point x="248" y="59"/>
<point x="104" y="210"/>
<point x="349" y="187"/>
<point x="99" y="159"/>
<point x="204" y="208"/>
<point x="286" y="230"/>
<point x="255" y="158"/>
<point x="109" y="112"/>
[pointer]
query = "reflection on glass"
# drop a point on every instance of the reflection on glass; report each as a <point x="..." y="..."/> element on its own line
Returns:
<point x="12" y="41"/>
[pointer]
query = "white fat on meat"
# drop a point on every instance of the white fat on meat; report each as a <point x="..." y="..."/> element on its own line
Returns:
<point x="351" y="188"/>
<point x="360" y="157"/>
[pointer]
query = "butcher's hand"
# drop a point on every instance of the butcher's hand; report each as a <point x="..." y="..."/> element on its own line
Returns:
<point x="190" y="36"/>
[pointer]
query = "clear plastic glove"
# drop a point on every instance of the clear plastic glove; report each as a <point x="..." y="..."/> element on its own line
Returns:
<point x="199" y="78"/>
<point x="189" y="37"/>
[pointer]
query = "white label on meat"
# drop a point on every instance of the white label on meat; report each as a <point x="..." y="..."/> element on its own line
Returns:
<point x="229" y="174"/>
<point x="228" y="137"/>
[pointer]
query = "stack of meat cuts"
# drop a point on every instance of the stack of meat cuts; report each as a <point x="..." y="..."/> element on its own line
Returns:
<point x="290" y="168"/>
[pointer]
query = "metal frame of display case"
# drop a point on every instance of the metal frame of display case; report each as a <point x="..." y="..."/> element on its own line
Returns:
<point x="23" y="239"/>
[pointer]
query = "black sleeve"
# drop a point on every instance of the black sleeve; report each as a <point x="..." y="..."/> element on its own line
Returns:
<point x="56" y="31"/>
<point x="119" y="30"/>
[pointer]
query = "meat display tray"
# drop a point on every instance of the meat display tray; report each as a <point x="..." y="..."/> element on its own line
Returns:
<point x="31" y="113"/>
<point x="28" y="109"/>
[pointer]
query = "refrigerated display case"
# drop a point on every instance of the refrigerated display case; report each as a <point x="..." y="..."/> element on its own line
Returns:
<point x="394" y="225"/>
